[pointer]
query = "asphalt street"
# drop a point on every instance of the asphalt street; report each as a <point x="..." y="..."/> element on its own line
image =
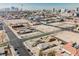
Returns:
<point x="16" y="43"/>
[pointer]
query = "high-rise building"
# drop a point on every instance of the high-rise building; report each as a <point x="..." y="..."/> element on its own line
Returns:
<point x="77" y="9"/>
<point x="14" y="9"/>
<point x="54" y="10"/>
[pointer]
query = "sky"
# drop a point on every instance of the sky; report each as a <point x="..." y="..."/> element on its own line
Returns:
<point x="39" y="5"/>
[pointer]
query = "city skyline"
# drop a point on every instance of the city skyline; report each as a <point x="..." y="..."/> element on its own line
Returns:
<point x="39" y="5"/>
